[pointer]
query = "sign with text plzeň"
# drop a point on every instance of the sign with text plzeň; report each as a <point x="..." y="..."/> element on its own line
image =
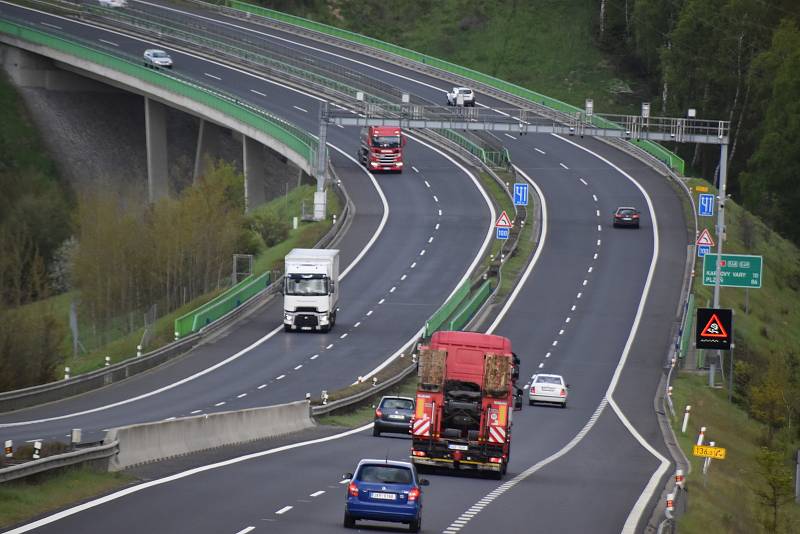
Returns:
<point x="714" y="328"/>
<point x="735" y="270"/>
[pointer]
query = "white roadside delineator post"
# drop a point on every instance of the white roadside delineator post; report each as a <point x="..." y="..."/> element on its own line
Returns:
<point x="37" y="450"/>
<point x="9" y="448"/>
<point x="701" y="436"/>
<point x="685" y="418"/>
<point x="66" y="373"/>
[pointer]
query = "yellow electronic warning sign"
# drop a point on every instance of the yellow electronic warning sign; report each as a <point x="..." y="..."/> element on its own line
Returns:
<point x="715" y="453"/>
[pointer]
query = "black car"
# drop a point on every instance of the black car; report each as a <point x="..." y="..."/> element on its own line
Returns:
<point x="626" y="216"/>
<point x="393" y="414"/>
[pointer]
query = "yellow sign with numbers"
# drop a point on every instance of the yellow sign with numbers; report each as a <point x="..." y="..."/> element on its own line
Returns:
<point x="715" y="453"/>
<point x="701" y="188"/>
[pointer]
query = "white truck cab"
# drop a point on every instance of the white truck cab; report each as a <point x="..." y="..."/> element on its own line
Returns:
<point x="310" y="289"/>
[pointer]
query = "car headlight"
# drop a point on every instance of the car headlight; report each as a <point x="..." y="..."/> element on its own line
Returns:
<point x="399" y="163"/>
<point x="323" y="319"/>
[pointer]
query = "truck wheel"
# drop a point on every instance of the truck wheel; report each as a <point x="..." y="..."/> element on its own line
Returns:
<point x="415" y="525"/>
<point x="349" y="522"/>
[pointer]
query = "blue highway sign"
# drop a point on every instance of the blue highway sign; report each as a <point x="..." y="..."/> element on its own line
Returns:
<point x="502" y="233"/>
<point x="705" y="205"/>
<point x="520" y="194"/>
<point x="702" y="250"/>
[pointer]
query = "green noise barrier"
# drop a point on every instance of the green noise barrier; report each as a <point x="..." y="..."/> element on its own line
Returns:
<point x="442" y="314"/>
<point x="654" y="149"/>
<point x="223" y="304"/>
<point x="463" y="315"/>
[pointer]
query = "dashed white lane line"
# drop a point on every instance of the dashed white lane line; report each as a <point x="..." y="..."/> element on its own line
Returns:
<point x="284" y="510"/>
<point x="510" y="136"/>
<point x="357" y="324"/>
<point x="547" y="355"/>
<point x="564" y="166"/>
<point x="561" y="332"/>
<point x="212" y="76"/>
<point x="369" y="313"/>
<point x="317" y="493"/>
<point x="413" y="265"/>
<point x="344" y="481"/>
<point x="599" y="228"/>
<point x="243" y="395"/>
<point x="435" y="198"/>
<point x="314" y="357"/>
<point x="403" y="277"/>
<point x="329" y="347"/>
<point x="584" y="182"/>
<point x="555" y="342"/>
<point x="430" y="239"/>
<point x="393" y="289"/>
<point x="246" y="530"/>
<point x="436" y="227"/>
<point x="220" y="403"/>
<point x="341" y="107"/>
<point x="262" y="386"/>
<point x="298" y="367"/>
<point x="422" y="252"/>
<point x="568" y="319"/>
<point x="50" y="25"/>
<point x="573" y="307"/>
<point x="426" y="183"/>
<point x="579" y="295"/>
<point x="414" y="169"/>
<point x="381" y="301"/>
<point x="440" y="213"/>
<point x="595" y="255"/>
<point x="281" y="377"/>
<point x="598" y="242"/>
<point x="541" y="365"/>
<point x="340" y="126"/>
<point x="170" y="418"/>
<point x="540" y="151"/>
<point x="594" y="197"/>
<point x="590" y="269"/>
<point x="195" y="412"/>
<point x="343" y="336"/>
<point x="585" y="282"/>
<point x="597" y="212"/>
<point x="258" y="92"/>
<point x="298" y="108"/>
<point x="112" y="43"/>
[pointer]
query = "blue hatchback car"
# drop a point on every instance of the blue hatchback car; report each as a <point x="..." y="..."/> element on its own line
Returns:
<point x="384" y="490"/>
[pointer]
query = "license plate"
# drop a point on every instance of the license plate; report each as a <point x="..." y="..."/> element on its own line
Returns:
<point x="384" y="496"/>
<point x="394" y="416"/>
<point x="456" y="447"/>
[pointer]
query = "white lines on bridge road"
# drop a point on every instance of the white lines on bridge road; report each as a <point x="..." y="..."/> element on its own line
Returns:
<point x="595" y="255"/>
<point x="547" y="355"/>
<point x="436" y="227"/>
<point x="50" y="25"/>
<point x="300" y="109"/>
<point x="403" y="277"/>
<point x="440" y="213"/>
<point x="594" y="197"/>
<point x="541" y="365"/>
<point x="416" y="170"/>
<point x="394" y="288"/>
<point x="314" y="357"/>
<point x="573" y="307"/>
<point x="284" y="510"/>
<point x="561" y="332"/>
<point x="584" y="182"/>
<point x="555" y="342"/>
<point x="510" y="136"/>
<point x="579" y="295"/>
<point x="259" y="93"/>
<point x="281" y="377"/>
<point x="212" y="76"/>
<point x="343" y="336"/>
<point x="317" y="493"/>
<point x="369" y="313"/>
<point x="195" y="412"/>
<point x="427" y="184"/>
<point x="435" y="198"/>
<point x="590" y="269"/>
<point x="357" y="324"/>
<point x="246" y="530"/>
<point x="262" y="386"/>
<point x="298" y="367"/>
<point x="568" y="319"/>
<point x="598" y="242"/>
<point x="112" y="43"/>
<point x="540" y="151"/>
<point x="413" y="265"/>
<point x="381" y="301"/>
<point x="243" y="395"/>
<point x="598" y="214"/>
<point x="564" y="166"/>
<point x="585" y="282"/>
<point x="220" y="404"/>
<point x="430" y="239"/>
<point x="422" y="252"/>
<point x="329" y="347"/>
<point x="599" y="228"/>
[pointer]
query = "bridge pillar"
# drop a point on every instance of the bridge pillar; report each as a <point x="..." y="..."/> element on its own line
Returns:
<point x="254" y="173"/>
<point x="209" y="139"/>
<point x="155" y="114"/>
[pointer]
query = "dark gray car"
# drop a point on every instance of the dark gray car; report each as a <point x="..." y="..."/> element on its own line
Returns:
<point x="393" y="414"/>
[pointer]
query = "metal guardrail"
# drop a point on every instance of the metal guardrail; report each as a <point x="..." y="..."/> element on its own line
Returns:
<point x="101" y="453"/>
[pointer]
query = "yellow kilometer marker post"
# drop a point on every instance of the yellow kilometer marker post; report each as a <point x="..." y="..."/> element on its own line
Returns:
<point x="715" y="453"/>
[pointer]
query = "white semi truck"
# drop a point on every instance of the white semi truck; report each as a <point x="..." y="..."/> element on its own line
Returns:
<point x="310" y="289"/>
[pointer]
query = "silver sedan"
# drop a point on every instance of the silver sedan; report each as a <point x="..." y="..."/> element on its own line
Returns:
<point x="547" y="388"/>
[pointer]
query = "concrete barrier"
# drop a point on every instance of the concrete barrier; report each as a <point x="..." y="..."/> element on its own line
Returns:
<point x="149" y="442"/>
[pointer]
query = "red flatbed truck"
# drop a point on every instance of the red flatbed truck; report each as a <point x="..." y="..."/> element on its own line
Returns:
<point x="465" y="397"/>
<point x="382" y="148"/>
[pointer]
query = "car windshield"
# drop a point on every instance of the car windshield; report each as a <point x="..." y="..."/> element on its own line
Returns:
<point x="386" y="141"/>
<point x="548" y="380"/>
<point x="626" y="212"/>
<point x="397" y="404"/>
<point x="306" y="285"/>
<point x="465" y="91"/>
<point x="159" y="53"/>
<point x="384" y="474"/>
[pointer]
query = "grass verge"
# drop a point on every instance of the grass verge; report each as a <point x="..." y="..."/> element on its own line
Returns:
<point x="22" y="500"/>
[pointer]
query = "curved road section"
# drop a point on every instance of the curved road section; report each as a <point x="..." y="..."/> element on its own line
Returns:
<point x="596" y="305"/>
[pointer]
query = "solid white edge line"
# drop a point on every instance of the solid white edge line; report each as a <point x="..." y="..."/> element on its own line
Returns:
<point x="486" y="242"/>
<point x="532" y="264"/>
<point x="651" y="487"/>
<point x="145" y="485"/>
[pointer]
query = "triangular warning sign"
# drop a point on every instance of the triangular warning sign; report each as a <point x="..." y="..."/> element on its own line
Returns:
<point x="503" y="221"/>
<point x="705" y="238"/>
<point x="714" y="328"/>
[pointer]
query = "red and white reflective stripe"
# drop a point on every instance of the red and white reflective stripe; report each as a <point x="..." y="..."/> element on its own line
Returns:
<point x="422" y="427"/>
<point x="497" y="434"/>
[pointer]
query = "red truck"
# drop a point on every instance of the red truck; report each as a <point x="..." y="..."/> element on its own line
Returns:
<point x="465" y="396"/>
<point x="382" y="148"/>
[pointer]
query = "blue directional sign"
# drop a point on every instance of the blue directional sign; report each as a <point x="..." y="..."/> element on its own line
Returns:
<point x="702" y="250"/>
<point x="520" y="194"/>
<point x="502" y="233"/>
<point x="705" y="205"/>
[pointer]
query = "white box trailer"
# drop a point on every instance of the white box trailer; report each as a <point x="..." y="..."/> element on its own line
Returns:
<point x="310" y="289"/>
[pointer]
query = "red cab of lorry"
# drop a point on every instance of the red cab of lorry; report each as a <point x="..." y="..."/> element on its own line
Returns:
<point x="382" y="148"/>
<point x="465" y="397"/>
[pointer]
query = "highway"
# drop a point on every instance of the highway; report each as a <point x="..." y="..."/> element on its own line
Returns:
<point x="596" y="306"/>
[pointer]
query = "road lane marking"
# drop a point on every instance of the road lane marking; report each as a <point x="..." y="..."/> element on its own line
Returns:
<point x="436" y="227"/>
<point x="393" y="289"/>
<point x="381" y="301"/>
<point x="50" y="25"/>
<point x="510" y="136"/>
<point x="547" y="355"/>
<point x="561" y="332"/>
<point x="194" y="412"/>
<point x="598" y="242"/>
<point x="415" y="170"/>
<point x="422" y="253"/>
<point x="329" y="347"/>
<point x="584" y="182"/>
<point x="220" y="403"/>
<point x="112" y="43"/>
<point x="568" y="319"/>
<point x="594" y="197"/>
<point x="598" y="214"/>
<point x="212" y="76"/>
<point x="595" y="255"/>
<point x="403" y="277"/>
<point x="357" y="324"/>
<point x="540" y="151"/>
<point x="590" y="269"/>
<point x="259" y="93"/>
<point x="413" y="265"/>
<point x="284" y="510"/>
<point x="314" y="357"/>
<point x="300" y="109"/>
<point x="369" y="313"/>
<point x="585" y="282"/>
<point x="435" y="198"/>
<point x="317" y="493"/>
<point x="599" y="228"/>
<point x="579" y="295"/>
<point x="555" y="342"/>
<point x="262" y="386"/>
<point x="343" y="336"/>
<point x="281" y="377"/>
<point x="298" y="367"/>
<point x="427" y="184"/>
<point x="564" y="166"/>
<point x="440" y="212"/>
<point x="573" y="308"/>
<point x="243" y="395"/>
